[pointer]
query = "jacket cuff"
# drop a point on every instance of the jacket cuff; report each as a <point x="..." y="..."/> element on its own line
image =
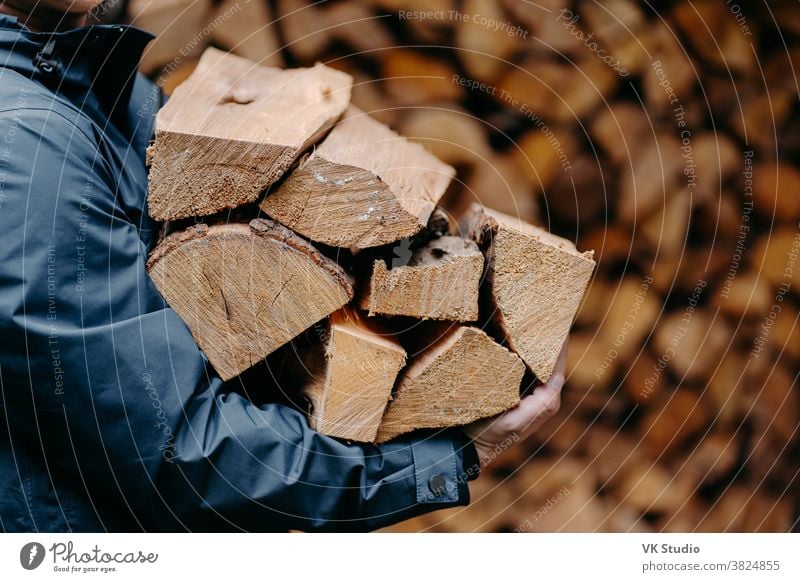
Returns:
<point x="440" y="473"/>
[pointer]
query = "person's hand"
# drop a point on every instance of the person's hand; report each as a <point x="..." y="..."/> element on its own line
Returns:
<point x="492" y="436"/>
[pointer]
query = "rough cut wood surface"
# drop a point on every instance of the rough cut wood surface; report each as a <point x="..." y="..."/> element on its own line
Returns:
<point x="233" y="128"/>
<point x="463" y="376"/>
<point x="363" y="186"/>
<point x="245" y="290"/>
<point x="349" y="394"/>
<point x="441" y="281"/>
<point x="536" y="282"/>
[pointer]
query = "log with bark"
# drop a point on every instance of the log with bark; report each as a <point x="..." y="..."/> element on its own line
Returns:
<point x="244" y="290"/>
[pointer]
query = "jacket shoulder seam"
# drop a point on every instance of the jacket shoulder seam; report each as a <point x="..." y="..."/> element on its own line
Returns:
<point x="71" y="122"/>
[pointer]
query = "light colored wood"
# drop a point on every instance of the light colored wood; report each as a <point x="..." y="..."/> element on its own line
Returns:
<point x="748" y="295"/>
<point x="694" y="342"/>
<point x="775" y="191"/>
<point x="773" y="251"/>
<point x="485" y="52"/>
<point x="543" y="156"/>
<point x="249" y="31"/>
<point x="649" y="487"/>
<point x="462" y="376"/>
<point x="725" y="388"/>
<point x="537" y="281"/>
<point x="450" y="133"/>
<point x="304" y="31"/>
<point x="413" y="78"/>
<point x="244" y="290"/>
<point x="719" y="159"/>
<point x="171" y="78"/>
<point x="669" y="66"/>
<point x="717" y="37"/>
<point x="651" y="176"/>
<point x="667" y="229"/>
<point x="233" y="128"/>
<point x="356" y="26"/>
<point x="560" y="92"/>
<point x="672" y="423"/>
<point x="361" y="363"/>
<point x="621" y="129"/>
<point x="498" y="183"/>
<point x="177" y="25"/>
<point x="441" y="281"/>
<point x="363" y="186"/>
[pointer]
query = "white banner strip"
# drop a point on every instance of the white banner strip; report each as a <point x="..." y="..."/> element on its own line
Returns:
<point x="400" y="557"/>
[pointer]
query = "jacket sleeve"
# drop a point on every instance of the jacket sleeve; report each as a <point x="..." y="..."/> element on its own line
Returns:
<point x="107" y="380"/>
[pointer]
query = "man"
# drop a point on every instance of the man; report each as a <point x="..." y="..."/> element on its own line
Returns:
<point x="111" y="417"/>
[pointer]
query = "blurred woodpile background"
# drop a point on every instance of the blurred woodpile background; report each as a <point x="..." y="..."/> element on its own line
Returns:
<point x="667" y="138"/>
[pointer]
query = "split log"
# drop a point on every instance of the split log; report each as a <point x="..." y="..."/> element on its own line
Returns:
<point x="461" y="377"/>
<point x="725" y="388"/>
<point x="717" y="38"/>
<point x="671" y="424"/>
<point x="441" y="281"/>
<point x="497" y="182"/>
<point x="649" y="488"/>
<point x="484" y="52"/>
<point x="621" y="129"/>
<point x="361" y="362"/>
<point x="719" y="159"/>
<point x="650" y="177"/>
<point x="757" y="117"/>
<point x="233" y="128"/>
<point x="693" y="342"/>
<point x="785" y="334"/>
<point x="451" y="134"/>
<point x="303" y="35"/>
<point x="363" y="186"/>
<point x="588" y="362"/>
<point x="748" y="295"/>
<point x="248" y="29"/>
<point x="615" y="23"/>
<point x="774" y="252"/>
<point x="412" y="78"/>
<point x="669" y="67"/>
<point x="643" y="385"/>
<point x="543" y="157"/>
<point x="536" y="281"/>
<point x="667" y="230"/>
<point x="177" y="25"/>
<point x="775" y="191"/>
<point x="245" y="290"/>
<point x="557" y="91"/>
<point x="545" y="21"/>
<point x="357" y="27"/>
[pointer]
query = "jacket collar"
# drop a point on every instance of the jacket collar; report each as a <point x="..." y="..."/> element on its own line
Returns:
<point x="102" y="59"/>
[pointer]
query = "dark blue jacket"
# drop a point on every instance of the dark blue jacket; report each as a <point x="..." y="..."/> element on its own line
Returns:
<point x="111" y="418"/>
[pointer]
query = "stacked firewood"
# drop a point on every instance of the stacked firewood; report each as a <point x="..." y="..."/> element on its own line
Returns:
<point x="298" y="202"/>
<point x="664" y="136"/>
